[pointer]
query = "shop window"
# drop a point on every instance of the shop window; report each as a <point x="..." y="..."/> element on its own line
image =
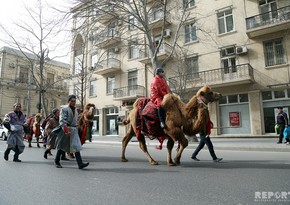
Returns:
<point x="279" y="94"/>
<point x="223" y="100"/>
<point x="243" y="97"/>
<point x="233" y="98"/>
<point x="267" y="95"/>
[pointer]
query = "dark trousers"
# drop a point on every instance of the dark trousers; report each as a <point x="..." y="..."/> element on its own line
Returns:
<point x="61" y="152"/>
<point x="16" y="150"/>
<point x="161" y="114"/>
<point x="204" y="140"/>
<point x="281" y="130"/>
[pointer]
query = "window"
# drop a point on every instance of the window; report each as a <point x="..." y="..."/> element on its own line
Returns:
<point x="112" y="32"/>
<point x="267" y="95"/>
<point x="192" y="68"/>
<point x="268" y="9"/>
<point x="23" y="75"/>
<point x="188" y="3"/>
<point x="279" y="94"/>
<point x="95" y="59"/>
<point x="233" y="99"/>
<point x="225" y="21"/>
<point x="110" y="85"/>
<point x="158" y="14"/>
<point x="274" y="52"/>
<point x="52" y="104"/>
<point x="132" y="82"/>
<point x="133" y="52"/>
<point x="50" y="78"/>
<point x="132" y="22"/>
<point x="78" y="64"/>
<point x="93" y="88"/>
<point x="190" y="32"/>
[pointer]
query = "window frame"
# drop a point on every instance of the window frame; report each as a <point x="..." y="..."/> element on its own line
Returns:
<point x="222" y="17"/>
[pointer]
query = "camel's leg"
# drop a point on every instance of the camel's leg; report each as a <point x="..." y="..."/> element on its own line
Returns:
<point x="125" y="142"/>
<point x="143" y="146"/>
<point x="183" y="143"/>
<point x="170" y="144"/>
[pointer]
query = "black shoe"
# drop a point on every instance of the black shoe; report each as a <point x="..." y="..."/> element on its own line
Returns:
<point x="6" y="156"/>
<point x="64" y="159"/>
<point x="279" y="142"/>
<point x="162" y="124"/>
<point x="84" y="165"/>
<point x="57" y="165"/>
<point x="218" y="159"/>
<point x="195" y="159"/>
<point x="45" y="154"/>
<point x="16" y="160"/>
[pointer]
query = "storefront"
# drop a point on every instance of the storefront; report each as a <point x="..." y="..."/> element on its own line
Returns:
<point x="112" y="121"/>
<point x="234" y="114"/>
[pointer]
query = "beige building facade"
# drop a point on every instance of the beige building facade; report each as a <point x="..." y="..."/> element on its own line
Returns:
<point x="17" y="83"/>
<point x="240" y="48"/>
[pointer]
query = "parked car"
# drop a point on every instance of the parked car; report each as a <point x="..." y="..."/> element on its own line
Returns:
<point x="3" y="132"/>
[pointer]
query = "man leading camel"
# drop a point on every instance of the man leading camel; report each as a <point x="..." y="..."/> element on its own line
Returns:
<point x="159" y="89"/>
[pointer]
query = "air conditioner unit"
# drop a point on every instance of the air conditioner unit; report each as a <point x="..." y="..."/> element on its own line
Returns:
<point x="167" y="33"/>
<point x="241" y="50"/>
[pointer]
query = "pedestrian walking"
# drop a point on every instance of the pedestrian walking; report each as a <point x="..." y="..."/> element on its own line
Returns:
<point x="52" y="122"/>
<point x="282" y="121"/>
<point x="14" y="122"/>
<point x="68" y="139"/>
<point x="205" y="140"/>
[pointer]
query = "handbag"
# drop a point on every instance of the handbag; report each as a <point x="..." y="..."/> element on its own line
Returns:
<point x="286" y="133"/>
<point x="277" y="129"/>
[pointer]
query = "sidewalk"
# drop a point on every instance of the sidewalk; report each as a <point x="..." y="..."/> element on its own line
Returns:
<point x="244" y="144"/>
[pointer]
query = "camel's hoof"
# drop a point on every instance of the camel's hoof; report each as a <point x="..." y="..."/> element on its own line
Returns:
<point x="124" y="160"/>
<point x="177" y="162"/>
<point x="171" y="164"/>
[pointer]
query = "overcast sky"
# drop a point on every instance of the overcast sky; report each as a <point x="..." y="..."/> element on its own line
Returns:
<point x="13" y="10"/>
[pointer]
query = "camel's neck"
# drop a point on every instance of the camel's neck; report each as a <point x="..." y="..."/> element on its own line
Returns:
<point x="202" y="101"/>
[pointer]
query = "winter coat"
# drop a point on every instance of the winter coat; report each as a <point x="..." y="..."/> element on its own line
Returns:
<point x="159" y="89"/>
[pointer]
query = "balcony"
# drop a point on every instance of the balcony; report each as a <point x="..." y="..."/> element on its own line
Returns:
<point x="221" y="77"/>
<point x="106" y="14"/>
<point x="108" y="66"/>
<point x="107" y="39"/>
<point x="129" y="92"/>
<point x="156" y="21"/>
<point x="164" y="51"/>
<point x="268" y="22"/>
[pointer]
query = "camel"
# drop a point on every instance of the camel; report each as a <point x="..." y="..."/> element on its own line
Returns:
<point x="180" y="119"/>
<point x="85" y="120"/>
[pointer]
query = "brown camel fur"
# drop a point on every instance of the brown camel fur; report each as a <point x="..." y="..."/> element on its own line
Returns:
<point x="178" y="115"/>
<point x="86" y="118"/>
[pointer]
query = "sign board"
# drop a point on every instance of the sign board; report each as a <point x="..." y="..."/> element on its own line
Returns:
<point x="235" y="119"/>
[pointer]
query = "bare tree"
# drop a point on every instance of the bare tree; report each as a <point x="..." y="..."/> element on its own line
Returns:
<point x="38" y="33"/>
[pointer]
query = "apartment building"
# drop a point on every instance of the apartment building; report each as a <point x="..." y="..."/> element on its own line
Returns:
<point x="240" y="48"/>
<point x="17" y="84"/>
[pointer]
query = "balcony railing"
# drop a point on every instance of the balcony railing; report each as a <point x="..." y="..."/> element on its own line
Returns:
<point x="106" y="14"/>
<point x="107" y="38"/>
<point x="107" y="66"/>
<point x="129" y="92"/>
<point x="240" y="74"/>
<point x="157" y="21"/>
<point x="164" y="51"/>
<point x="268" y="22"/>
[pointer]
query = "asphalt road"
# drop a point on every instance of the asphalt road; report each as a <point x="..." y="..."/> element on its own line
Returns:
<point x="240" y="179"/>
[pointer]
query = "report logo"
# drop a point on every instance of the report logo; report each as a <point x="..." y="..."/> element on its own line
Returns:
<point x="269" y="196"/>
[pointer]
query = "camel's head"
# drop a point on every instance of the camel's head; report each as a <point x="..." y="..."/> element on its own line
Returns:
<point x="207" y="95"/>
<point x="90" y="109"/>
<point x="37" y="117"/>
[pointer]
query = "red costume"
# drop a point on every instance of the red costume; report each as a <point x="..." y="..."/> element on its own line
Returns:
<point x="159" y="88"/>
